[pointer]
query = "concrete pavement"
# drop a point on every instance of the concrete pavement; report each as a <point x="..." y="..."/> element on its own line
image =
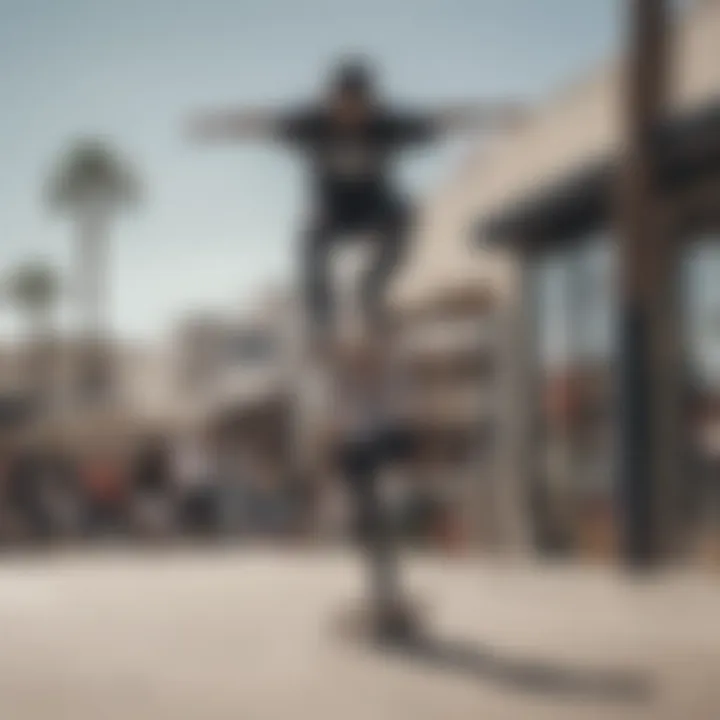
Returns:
<point x="250" y="634"/>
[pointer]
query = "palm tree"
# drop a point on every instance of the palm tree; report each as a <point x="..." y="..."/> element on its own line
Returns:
<point x="92" y="184"/>
<point x="34" y="289"/>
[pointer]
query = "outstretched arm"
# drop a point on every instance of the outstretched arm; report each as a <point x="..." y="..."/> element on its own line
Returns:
<point x="480" y="116"/>
<point x="469" y="117"/>
<point x="225" y="125"/>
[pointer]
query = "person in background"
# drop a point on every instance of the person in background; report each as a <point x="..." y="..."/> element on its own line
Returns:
<point x="196" y="479"/>
<point x="234" y="491"/>
<point x="301" y="500"/>
<point x="105" y="490"/>
<point x="152" y="486"/>
<point x="261" y="490"/>
<point x="60" y="491"/>
<point x="25" y="493"/>
<point x="5" y="514"/>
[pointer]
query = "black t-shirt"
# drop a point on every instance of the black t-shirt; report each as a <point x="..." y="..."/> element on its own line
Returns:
<point x="350" y="161"/>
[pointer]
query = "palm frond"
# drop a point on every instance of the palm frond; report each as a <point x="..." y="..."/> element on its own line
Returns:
<point x="91" y="172"/>
<point x="34" y="285"/>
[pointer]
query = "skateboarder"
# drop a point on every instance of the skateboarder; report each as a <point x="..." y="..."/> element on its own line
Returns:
<point x="351" y="140"/>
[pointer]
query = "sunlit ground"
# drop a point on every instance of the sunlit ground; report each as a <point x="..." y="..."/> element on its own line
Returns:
<point x="249" y="634"/>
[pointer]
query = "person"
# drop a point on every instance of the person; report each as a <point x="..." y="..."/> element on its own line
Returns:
<point x="373" y="437"/>
<point x="60" y="491"/>
<point x="351" y="139"/>
<point x="151" y="477"/>
<point x="232" y="475"/>
<point x="25" y="493"/>
<point x="195" y="474"/>
<point x="104" y="486"/>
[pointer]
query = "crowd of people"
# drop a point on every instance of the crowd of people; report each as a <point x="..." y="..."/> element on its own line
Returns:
<point x="158" y="490"/>
<point x="188" y="488"/>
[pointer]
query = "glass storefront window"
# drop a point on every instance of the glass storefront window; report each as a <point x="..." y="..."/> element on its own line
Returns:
<point x="701" y="308"/>
<point x="701" y="271"/>
<point x="574" y="301"/>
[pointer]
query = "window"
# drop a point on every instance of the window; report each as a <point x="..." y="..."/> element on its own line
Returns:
<point x="574" y="302"/>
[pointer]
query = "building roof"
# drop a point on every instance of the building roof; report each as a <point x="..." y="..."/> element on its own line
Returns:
<point x="686" y="147"/>
<point x="575" y="129"/>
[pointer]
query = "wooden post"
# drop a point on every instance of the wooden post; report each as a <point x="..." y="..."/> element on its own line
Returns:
<point x="648" y="363"/>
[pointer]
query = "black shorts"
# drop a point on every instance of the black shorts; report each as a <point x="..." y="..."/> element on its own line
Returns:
<point x="359" y="210"/>
<point x="361" y="458"/>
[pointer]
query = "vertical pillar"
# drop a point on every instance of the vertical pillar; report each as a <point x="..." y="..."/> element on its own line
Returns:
<point x="517" y="452"/>
<point x="648" y="362"/>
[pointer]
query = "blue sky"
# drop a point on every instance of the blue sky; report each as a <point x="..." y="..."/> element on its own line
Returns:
<point x="216" y="226"/>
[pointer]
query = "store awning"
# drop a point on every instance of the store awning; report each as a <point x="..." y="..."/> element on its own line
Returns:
<point x="688" y="149"/>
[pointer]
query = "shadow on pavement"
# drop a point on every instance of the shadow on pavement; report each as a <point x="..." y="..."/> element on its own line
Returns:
<point x="535" y="676"/>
